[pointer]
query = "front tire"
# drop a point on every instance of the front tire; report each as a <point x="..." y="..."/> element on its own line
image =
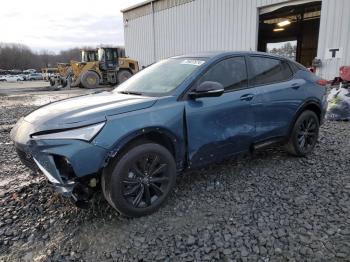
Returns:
<point x="140" y="181"/>
<point x="89" y="79"/>
<point x="304" y="134"/>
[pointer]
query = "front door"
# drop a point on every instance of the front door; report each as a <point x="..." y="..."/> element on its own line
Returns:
<point x="219" y="127"/>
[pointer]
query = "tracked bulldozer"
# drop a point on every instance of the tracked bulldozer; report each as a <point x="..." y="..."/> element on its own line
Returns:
<point x="110" y="67"/>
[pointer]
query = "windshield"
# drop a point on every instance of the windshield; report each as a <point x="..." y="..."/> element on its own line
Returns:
<point x="162" y="77"/>
<point x="88" y="56"/>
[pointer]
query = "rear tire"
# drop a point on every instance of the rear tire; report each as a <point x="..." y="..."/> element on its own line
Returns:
<point x="304" y="134"/>
<point x="139" y="182"/>
<point x="123" y="75"/>
<point x="89" y="79"/>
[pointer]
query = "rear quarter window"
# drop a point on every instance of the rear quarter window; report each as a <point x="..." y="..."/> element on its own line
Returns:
<point x="296" y="67"/>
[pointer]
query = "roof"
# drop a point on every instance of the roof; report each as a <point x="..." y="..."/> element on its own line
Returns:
<point x="149" y="7"/>
<point x="89" y="49"/>
<point x="137" y="5"/>
<point x="208" y="54"/>
<point x="222" y="54"/>
<point x="211" y="54"/>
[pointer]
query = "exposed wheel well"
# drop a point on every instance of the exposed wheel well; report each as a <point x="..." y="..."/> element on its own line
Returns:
<point x="314" y="108"/>
<point x="153" y="136"/>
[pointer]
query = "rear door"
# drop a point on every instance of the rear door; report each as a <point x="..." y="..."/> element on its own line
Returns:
<point x="218" y="127"/>
<point x="278" y="95"/>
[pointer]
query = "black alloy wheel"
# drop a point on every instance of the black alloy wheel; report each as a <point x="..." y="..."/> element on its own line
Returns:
<point x="146" y="180"/>
<point x="304" y="134"/>
<point x="141" y="180"/>
<point x="307" y="134"/>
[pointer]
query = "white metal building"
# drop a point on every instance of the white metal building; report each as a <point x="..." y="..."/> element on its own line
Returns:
<point x="157" y="29"/>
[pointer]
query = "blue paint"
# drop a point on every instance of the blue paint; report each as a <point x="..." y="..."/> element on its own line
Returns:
<point x="202" y="131"/>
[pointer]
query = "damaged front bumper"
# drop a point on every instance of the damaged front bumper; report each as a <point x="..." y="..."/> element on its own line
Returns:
<point x="68" y="164"/>
<point x="66" y="189"/>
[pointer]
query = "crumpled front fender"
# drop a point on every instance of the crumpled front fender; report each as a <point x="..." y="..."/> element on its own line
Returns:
<point x="85" y="158"/>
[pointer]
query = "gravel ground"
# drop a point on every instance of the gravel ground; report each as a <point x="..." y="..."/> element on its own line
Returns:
<point x="265" y="207"/>
<point x="42" y="88"/>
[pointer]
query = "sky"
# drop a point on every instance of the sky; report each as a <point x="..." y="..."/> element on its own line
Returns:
<point x="63" y="24"/>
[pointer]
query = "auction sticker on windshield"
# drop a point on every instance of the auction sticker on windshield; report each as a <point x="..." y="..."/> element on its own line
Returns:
<point x="193" y="62"/>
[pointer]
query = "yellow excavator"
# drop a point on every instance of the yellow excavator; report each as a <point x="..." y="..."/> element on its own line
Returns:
<point x="65" y="70"/>
<point x="106" y="66"/>
<point x="102" y="66"/>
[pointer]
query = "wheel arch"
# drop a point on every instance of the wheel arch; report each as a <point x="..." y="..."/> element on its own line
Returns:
<point x="312" y="105"/>
<point x="157" y="135"/>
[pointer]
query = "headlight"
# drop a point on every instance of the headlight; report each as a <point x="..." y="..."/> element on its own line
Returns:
<point x="83" y="133"/>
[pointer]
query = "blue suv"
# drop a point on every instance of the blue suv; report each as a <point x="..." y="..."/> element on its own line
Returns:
<point x="181" y="113"/>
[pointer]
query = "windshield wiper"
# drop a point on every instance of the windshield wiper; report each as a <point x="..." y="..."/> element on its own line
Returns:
<point x="130" y="93"/>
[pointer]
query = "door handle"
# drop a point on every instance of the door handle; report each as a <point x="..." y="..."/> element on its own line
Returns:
<point x="295" y="86"/>
<point x="247" y="97"/>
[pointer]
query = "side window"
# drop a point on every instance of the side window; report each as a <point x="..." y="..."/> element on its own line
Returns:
<point x="231" y="73"/>
<point x="269" y="70"/>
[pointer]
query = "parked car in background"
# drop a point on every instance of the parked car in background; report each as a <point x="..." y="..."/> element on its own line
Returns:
<point x="29" y="71"/>
<point x="181" y="113"/>
<point x="35" y="76"/>
<point x="11" y="78"/>
<point x="20" y="77"/>
<point x="23" y="76"/>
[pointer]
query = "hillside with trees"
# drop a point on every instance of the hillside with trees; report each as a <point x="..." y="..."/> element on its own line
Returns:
<point x="18" y="56"/>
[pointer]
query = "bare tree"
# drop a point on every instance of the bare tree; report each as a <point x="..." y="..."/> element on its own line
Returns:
<point x="287" y="50"/>
<point x="18" y="56"/>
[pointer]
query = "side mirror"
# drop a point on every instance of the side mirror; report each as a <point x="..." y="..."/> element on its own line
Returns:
<point x="207" y="89"/>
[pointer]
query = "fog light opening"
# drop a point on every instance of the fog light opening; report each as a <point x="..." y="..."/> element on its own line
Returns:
<point x="64" y="168"/>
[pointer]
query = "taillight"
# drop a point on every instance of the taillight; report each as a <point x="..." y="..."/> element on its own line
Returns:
<point x="345" y="73"/>
<point x="322" y="82"/>
<point x="311" y="69"/>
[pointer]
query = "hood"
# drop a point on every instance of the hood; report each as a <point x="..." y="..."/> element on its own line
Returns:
<point x="85" y="110"/>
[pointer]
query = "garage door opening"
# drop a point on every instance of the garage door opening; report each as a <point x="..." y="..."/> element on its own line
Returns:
<point x="291" y="31"/>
